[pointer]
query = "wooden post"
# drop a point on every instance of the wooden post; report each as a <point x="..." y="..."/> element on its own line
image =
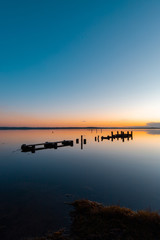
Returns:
<point x="33" y="149"/>
<point x="81" y="141"/>
<point x="131" y="135"/>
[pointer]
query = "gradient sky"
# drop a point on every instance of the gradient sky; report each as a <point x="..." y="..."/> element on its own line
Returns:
<point x="79" y="63"/>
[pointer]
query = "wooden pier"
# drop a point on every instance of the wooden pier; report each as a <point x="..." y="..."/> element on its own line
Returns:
<point x="118" y="136"/>
<point x="41" y="146"/>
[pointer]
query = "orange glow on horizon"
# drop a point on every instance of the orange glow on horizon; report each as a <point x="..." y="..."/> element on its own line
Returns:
<point x="20" y="120"/>
<point x="73" y="123"/>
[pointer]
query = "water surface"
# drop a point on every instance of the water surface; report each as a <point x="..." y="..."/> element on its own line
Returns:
<point x="34" y="186"/>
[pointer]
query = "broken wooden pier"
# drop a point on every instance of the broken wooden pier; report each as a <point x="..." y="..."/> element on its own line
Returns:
<point x="41" y="146"/>
<point x="118" y="136"/>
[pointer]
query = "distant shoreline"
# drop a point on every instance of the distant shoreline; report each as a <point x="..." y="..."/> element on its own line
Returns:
<point x="70" y="128"/>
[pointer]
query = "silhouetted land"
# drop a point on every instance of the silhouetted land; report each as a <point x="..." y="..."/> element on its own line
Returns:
<point x="54" y="128"/>
<point x="93" y="221"/>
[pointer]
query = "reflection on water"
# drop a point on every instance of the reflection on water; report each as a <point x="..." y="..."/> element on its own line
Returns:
<point x="34" y="187"/>
<point x="154" y="132"/>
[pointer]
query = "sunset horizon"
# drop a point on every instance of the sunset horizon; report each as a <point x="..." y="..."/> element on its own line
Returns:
<point x="84" y="124"/>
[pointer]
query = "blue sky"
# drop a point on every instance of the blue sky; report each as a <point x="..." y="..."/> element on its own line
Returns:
<point x="79" y="62"/>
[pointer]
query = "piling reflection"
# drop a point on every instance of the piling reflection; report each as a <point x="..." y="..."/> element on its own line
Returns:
<point x="70" y="143"/>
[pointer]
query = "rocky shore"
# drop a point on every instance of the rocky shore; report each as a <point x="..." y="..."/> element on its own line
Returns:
<point x="93" y="221"/>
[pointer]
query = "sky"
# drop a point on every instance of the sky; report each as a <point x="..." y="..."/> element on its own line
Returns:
<point x="79" y="63"/>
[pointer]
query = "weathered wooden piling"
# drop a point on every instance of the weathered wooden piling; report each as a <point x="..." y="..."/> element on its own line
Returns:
<point x="81" y="141"/>
<point x="131" y="135"/>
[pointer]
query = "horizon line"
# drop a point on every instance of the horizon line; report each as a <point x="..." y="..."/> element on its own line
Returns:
<point x="50" y="128"/>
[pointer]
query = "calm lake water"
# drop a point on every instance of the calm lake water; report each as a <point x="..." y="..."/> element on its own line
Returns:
<point x="35" y="186"/>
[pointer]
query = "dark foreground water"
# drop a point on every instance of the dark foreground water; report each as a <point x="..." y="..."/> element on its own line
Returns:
<point x="34" y="186"/>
